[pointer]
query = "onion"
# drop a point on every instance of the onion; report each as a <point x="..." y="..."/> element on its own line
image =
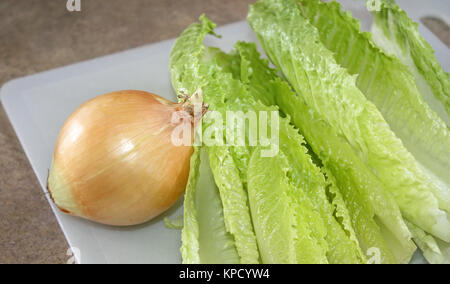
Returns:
<point x="114" y="160"/>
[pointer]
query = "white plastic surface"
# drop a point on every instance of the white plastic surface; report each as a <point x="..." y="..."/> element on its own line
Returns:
<point x="38" y="105"/>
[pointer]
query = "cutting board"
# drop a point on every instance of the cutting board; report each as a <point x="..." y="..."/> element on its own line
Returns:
<point x="38" y="105"/>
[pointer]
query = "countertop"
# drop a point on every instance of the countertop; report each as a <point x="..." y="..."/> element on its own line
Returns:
<point x="40" y="35"/>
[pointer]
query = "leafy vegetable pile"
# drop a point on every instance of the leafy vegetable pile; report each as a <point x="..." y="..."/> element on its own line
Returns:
<point x="364" y="155"/>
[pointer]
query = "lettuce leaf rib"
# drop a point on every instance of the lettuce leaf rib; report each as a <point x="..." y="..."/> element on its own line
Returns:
<point x="397" y="34"/>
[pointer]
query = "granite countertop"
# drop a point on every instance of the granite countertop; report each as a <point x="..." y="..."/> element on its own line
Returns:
<point x="40" y="35"/>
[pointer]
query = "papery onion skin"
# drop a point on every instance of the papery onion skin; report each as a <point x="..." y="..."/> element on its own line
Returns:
<point x="114" y="162"/>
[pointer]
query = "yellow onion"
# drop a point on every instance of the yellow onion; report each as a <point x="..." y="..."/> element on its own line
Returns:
<point x="114" y="160"/>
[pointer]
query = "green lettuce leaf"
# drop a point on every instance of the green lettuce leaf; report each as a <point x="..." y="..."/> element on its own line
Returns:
<point x="221" y="77"/>
<point x="345" y="130"/>
<point x="343" y="246"/>
<point x="238" y="99"/>
<point x="204" y="236"/>
<point x="421" y="129"/>
<point x="175" y="223"/>
<point x="361" y="216"/>
<point x="389" y="84"/>
<point x="186" y="55"/>
<point x="234" y="200"/>
<point x="284" y="218"/>
<point x="397" y="34"/>
<point x="338" y="240"/>
<point x="191" y="70"/>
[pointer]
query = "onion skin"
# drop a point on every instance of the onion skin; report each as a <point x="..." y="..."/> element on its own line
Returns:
<point x="114" y="162"/>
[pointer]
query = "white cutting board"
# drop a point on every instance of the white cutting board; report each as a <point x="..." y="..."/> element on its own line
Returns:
<point x="38" y="105"/>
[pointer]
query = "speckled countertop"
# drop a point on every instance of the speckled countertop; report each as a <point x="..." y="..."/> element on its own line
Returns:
<point x="41" y="35"/>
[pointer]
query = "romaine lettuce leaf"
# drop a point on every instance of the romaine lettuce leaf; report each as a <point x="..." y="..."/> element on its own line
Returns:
<point x="345" y="130"/>
<point x="389" y="84"/>
<point x="204" y="236"/>
<point x="191" y="69"/>
<point x="186" y="55"/>
<point x="421" y="130"/>
<point x="343" y="246"/>
<point x="238" y="99"/>
<point x="397" y="34"/>
<point x="234" y="201"/>
<point x="284" y="218"/>
<point x="221" y="76"/>
<point x="362" y="216"/>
